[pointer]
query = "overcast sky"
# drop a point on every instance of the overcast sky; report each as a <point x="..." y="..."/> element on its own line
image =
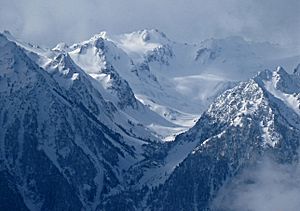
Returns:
<point x="49" y="22"/>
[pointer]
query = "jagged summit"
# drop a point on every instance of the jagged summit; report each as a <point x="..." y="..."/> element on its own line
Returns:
<point x="66" y="137"/>
<point x="60" y="47"/>
<point x="102" y="34"/>
<point x="280" y="79"/>
<point x="15" y="66"/>
<point x="92" y="120"/>
<point x="149" y="35"/>
<point x="297" y="70"/>
<point x="253" y="119"/>
<point x="7" y="34"/>
<point x="3" y="39"/>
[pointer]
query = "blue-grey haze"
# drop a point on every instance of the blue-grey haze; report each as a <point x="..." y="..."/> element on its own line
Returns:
<point x="49" y="22"/>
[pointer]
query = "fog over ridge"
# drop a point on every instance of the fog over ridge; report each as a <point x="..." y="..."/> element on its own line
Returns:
<point x="50" y="22"/>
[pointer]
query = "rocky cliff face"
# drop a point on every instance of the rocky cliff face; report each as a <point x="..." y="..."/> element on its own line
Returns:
<point x="74" y="134"/>
<point x="57" y="151"/>
<point x="244" y="124"/>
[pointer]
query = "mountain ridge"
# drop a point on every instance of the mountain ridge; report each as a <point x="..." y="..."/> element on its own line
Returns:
<point x="108" y="129"/>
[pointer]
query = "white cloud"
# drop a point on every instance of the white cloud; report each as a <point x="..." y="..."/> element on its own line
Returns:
<point x="266" y="186"/>
<point x="48" y="22"/>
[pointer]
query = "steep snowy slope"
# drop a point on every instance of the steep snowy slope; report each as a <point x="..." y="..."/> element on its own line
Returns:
<point x="65" y="71"/>
<point x="95" y="57"/>
<point x="175" y="80"/>
<point x="102" y="60"/>
<point x="179" y="80"/>
<point x="255" y="119"/>
<point x="181" y="69"/>
<point x="57" y="131"/>
<point x="88" y="121"/>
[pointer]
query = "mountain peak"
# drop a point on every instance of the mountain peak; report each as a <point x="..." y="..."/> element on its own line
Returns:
<point x="242" y="126"/>
<point x="64" y="59"/>
<point x="152" y="34"/>
<point x="65" y="66"/>
<point x="60" y="47"/>
<point x="8" y="36"/>
<point x="7" y="33"/>
<point x="280" y="70"/>
<point x="297" y="70"/>
<point x="148" y="36"/>
<point x="103" y="35"/>
<point x="3" y="39"/>
<point x="267" y="74"/>
<point x="263" y="75"/>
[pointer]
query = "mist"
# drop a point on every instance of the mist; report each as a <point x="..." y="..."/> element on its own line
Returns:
<point x="263" y="187"/>
<point x="49" y="22"/>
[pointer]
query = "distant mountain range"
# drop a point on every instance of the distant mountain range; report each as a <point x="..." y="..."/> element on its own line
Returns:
<point x="140" y="122"/>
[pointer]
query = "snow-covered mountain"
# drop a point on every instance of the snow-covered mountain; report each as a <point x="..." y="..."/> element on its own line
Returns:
<point x="175" y="80"/>
<point x="91" y="120"/>
<point x="256" y="119"/>
<point x="57" y="131"/>
<point x="91" y="58"/>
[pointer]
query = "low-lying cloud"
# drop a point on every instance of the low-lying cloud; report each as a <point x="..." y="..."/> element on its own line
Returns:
<point x="264" y="187"/>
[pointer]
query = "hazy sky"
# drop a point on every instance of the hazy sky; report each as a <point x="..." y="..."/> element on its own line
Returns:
<point x="49" y="22"/>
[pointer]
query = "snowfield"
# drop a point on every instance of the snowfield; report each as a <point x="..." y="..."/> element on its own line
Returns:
<point x="140" y="122"/>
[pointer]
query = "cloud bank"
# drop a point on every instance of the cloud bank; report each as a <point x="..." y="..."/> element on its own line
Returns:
<point x="49" y="22"/>
<point x="264" y="187"/>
